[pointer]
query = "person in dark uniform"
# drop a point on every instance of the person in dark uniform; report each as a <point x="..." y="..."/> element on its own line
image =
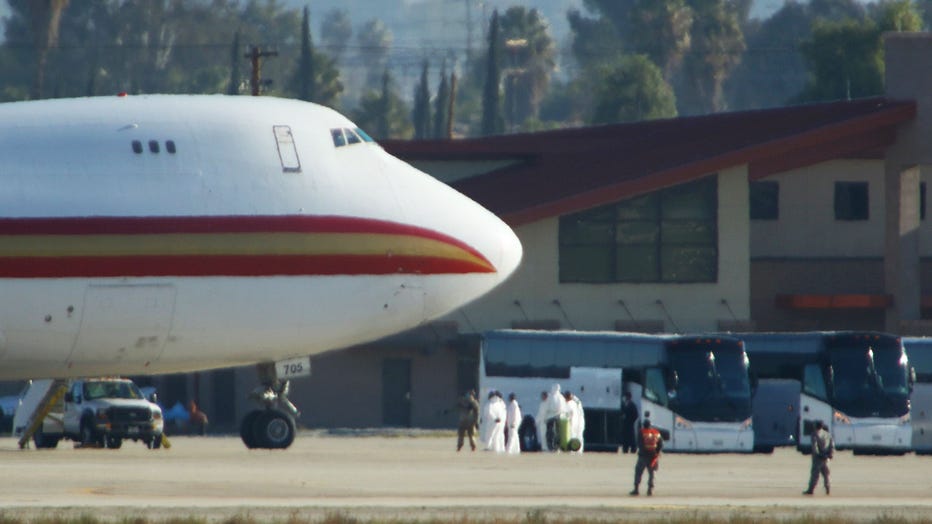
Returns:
<point x="823" y="449"/>
<point x="629" y="418"/>
<point x="649" y="445"/>
<point x="468" y="408"/>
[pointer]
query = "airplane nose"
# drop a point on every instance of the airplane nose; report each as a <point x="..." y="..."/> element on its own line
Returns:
<point x="507" y="254"/>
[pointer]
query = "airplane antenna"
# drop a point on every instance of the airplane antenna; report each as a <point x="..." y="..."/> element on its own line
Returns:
<point x="255" y="55"/>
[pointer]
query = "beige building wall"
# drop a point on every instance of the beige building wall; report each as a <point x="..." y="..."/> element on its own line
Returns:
<point x="683" y="307"/>
<point x="807" y="227"/>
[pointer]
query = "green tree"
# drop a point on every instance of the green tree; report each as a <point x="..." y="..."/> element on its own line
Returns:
<point x="384" y="112"/>
<point x="236" y="52"/>
<point x="44" y="18"/>
<point x="529" y="62"/>
<point x="661" y="29"/>
<point x="336" y="32"/>
<point x="306" y="79"/>
<point x="772" y="71"/>
<point x="375" y="41"/>
<point x="316" y="77"/>
<point x="716" y="47"/>
<point x="845" y="59"/>
<point x="492" y="121"/>
<point x="441" y="105"/>
<point x="633" y="89"/>
<point x="420" y="115"/>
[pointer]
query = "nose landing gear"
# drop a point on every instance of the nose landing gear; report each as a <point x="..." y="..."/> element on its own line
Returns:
<point x="272" y="426"/>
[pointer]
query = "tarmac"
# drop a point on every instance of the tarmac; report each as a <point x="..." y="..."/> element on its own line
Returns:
<point x="422" y="477"/>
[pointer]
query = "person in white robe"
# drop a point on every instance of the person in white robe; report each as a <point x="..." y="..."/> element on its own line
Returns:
<point x="512" y="421"/>
<point x="498" y="412"/>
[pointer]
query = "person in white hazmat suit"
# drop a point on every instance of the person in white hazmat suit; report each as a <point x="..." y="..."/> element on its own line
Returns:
<point x="498" y="412"/>
<point x="512" y="421"/>
<point x="577" y="418"/>
<point x="541" y="421"/>
<point x="552" y="410"/>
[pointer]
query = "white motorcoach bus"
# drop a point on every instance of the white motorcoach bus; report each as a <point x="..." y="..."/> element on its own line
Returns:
<point x="919" y="350"/>
<point x="695" y="389"/>
<point x="857" y="383"/>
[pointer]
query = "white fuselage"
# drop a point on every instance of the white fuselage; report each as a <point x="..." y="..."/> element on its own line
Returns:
<point x="240" y="233"/>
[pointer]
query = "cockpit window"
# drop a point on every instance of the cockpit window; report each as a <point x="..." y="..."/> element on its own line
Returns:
<point x="338" y="139"/>
<point x="362" y="134"/>
<point x="351" y="137"/>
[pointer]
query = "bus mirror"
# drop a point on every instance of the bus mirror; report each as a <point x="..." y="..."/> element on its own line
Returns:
<point x="912" y="377"/>
<point x="754" y="382"/>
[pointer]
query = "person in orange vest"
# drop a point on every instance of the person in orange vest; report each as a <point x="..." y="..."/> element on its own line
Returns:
<point x="649" y="445"/>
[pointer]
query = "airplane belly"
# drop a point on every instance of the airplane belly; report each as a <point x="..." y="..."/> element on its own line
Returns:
<point x="124" y="323"/>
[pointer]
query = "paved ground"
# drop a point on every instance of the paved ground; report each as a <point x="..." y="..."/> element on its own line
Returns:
<point x="422" y="477"/>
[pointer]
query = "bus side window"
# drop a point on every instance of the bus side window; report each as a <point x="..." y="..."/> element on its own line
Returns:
<point x="655" y="387"/>
<point x="813" y="382"/>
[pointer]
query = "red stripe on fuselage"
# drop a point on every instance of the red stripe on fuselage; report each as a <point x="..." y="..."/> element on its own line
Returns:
<point x="233" y="266"/>
<point x="228" y="265"/>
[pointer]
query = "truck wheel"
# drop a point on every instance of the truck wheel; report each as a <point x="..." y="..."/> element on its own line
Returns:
<point x="113" y="442"/>
<point x="43" y="441"/>
<point x="88" y="436"/>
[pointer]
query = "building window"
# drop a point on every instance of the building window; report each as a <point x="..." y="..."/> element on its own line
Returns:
<point x="765" y="200"/>
<point x="851" y="201"/>
<point x="665" y="236"/>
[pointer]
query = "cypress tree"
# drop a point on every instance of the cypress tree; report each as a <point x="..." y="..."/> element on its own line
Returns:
<point x="440" y="105"/>
<point x="492" y="122"/>
<point x="233" y="87"/>
<point x="421" y="112"/>
<point x="306" y="75"/>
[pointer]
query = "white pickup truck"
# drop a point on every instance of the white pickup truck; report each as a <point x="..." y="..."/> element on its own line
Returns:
<point x="102" y="412"/>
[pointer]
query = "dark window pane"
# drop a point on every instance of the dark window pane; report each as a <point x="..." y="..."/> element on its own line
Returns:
<point x="689" y="264"/>
<point x="646" y="207"/>
<point x="765" y="200"/>
<point x="694" y="200"/>
<point x="688" y="232"/>
<point x="170" y="146"/>
<point x="584" y="232"/>
<point x="585" y="264"/>
<point x="154" y="146"/>
<point x="630" y="242"/>
<point x="637" y="232"/>
<point x="851" y="201"/>
<point x="137" y="147"/>
<point x="637" y="264"/>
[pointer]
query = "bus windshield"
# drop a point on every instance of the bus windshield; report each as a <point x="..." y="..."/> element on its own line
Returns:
<point x="869" y="380"/>
<point x="711" y="387"/>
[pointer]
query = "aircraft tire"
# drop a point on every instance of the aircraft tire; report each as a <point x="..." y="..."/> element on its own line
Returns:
<point x="247" y="429"/>
<point x="113" y="442"/>
<point x="155" y="442"/>
<point x="273" y="429"/>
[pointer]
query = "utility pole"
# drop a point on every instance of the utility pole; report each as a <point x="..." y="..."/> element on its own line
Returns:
<point x="255" y="55"/>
